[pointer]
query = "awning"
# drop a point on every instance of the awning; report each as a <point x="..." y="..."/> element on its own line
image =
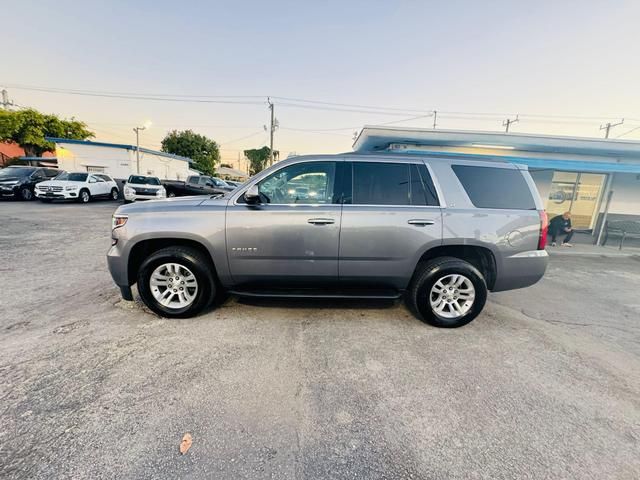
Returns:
<point x="549" y="163"/>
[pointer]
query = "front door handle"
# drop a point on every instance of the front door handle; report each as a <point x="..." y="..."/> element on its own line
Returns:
<point x="420" y="222"/>
<point x="321" y="221"/>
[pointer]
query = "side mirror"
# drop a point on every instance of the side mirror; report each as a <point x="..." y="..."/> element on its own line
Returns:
<point x="252" y="195"/>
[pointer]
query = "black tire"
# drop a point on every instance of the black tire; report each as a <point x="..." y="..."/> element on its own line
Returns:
<point x="84" y="196"/>
<point x="26" y="194"/>
<point x="190" y="258"/>
<point x="428" y="274"/>
<point x="171" y="194"/>
<point x="114" y="194"/>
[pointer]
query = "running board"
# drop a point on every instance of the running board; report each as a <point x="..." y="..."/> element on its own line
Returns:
<point x="317" y="293"/>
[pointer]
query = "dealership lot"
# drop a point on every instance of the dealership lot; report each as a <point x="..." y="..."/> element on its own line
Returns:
<point x="544" y="384"/>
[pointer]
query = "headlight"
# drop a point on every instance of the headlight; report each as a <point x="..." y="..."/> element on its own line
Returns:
<point x="161" y="192"/>
<point x="129" y="191"/>
<point x="118" y="221"/>
<point x="71" y="187"/>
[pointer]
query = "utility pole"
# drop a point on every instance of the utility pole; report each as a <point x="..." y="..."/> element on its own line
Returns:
<point x="607" y="127"/>
<point x="507" y="123"/>
<point x="6" y="103"/>
<point x="435" y="118"/>
<point x="137" y="130"/>
<point x="272" y="129"/>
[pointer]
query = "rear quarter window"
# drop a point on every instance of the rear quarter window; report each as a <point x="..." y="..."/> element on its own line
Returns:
<point x="490" y="187"/>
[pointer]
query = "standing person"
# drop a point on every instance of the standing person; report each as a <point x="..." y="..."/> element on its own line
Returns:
<point x="559" y="225"/>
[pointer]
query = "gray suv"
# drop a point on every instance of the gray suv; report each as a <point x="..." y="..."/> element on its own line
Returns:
<point x="441" y="232"/>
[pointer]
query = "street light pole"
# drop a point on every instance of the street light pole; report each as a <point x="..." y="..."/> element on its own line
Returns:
<point x="137" y="130"/>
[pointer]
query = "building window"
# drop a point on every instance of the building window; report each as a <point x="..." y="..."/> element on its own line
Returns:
<point x="93" y="169"/>
<point x="578" y="193"/>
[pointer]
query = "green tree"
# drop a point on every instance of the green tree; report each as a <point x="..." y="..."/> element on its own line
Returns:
<point x="258" y="158"/>
<point x="28" y="128"/>
<point x="202" y="150"/>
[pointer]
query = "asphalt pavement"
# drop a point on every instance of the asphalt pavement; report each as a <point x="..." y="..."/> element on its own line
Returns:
<point x="544" y="384"/>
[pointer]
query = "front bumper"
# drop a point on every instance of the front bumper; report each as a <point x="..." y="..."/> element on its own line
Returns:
<point x="9" y="191"/>
<point x="63" y="195"/>
<point x="136" y="197"/>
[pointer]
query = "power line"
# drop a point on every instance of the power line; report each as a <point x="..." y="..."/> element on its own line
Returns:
<point x="628" y="132"/>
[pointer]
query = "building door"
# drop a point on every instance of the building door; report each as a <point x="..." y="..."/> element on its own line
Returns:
<point x="578" y="193"/>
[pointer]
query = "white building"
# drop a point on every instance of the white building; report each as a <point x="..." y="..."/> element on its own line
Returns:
<point x="119" y="160"/>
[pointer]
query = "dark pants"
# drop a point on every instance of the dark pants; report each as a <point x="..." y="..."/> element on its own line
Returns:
<point x="555" y="233"/>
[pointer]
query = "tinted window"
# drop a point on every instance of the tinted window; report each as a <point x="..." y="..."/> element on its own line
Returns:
<point x="51" y="172"/>
<point x="106" y="178"/>
<point x="490" y="187"/>
<point x="73" y="177"/>
<point x="143" y="180"/>
<point x="306" y="183"/>
<point x="381" y="183"/>
<point x="193" y="180"/>
<point x="204" y="180"/>
<point x="422" y="190"/>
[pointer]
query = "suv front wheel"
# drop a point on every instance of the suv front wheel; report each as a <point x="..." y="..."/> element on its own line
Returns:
<point x="447" y="292"/>
<point x="176" y="282"/>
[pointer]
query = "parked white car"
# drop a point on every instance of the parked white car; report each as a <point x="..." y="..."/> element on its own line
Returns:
<point x="142" y="187"/>
<point x="80" y="186"/>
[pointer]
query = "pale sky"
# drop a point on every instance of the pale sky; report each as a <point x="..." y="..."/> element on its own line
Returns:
<point x="546" y="58"/>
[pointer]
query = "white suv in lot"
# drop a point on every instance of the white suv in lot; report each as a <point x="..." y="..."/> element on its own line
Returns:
<point x="143" y="187"/>
<point x="80" y="186"/>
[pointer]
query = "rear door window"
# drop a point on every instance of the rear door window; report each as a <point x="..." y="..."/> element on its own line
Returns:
<point x="380" y="183"/>
<point x="491" y="187"/>
<point x="377" y="183"/>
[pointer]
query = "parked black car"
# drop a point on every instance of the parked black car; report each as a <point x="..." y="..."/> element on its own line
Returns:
<point x="196" y="185"/>
<point x="19" y="181"/>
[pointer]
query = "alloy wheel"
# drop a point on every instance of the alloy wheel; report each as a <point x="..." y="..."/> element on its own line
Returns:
<point x="452" y="296"/>
<point x="173" y="285"/>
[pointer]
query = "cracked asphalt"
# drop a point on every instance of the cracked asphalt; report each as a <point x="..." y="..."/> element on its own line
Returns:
<point x="544" y="384"/>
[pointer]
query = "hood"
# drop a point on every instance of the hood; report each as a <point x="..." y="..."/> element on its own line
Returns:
<point x="11" y="179"/>
<point x="143" y="185"/>
<point x="164" y="205"/>
<point x="58" y="183"/>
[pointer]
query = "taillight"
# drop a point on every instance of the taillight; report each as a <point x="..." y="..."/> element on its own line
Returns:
<point x="544" y="229"/>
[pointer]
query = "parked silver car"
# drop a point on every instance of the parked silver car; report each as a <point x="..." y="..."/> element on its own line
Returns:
<point x="441" y="232"/>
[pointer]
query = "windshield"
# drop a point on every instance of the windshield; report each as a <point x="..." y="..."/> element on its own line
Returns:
<point x="219" y="182"/>
<point x="16" y="172"/>
<point x="143" y="180"/>
<point x="73" y="177"/>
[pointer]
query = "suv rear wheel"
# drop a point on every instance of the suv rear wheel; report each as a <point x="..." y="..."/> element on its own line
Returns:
<point x="176" y="282"/>
<point x="447" y="292"/>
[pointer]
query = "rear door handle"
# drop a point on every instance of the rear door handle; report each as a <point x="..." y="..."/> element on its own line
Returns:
<point x="321" y="221"/>
<point x="420" y="222"/>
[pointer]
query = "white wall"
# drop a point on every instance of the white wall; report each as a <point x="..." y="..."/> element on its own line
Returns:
<point x="119" y="162"/>
<point x="163" y="167"/>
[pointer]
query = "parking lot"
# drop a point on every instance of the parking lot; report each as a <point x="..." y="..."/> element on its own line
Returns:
<point x="544" y="384"/>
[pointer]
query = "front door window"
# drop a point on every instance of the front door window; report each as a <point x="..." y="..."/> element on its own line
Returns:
<point x="301" y="183"/>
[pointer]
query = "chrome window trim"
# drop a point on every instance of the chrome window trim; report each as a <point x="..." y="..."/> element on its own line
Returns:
<point x="434" y="179"/>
